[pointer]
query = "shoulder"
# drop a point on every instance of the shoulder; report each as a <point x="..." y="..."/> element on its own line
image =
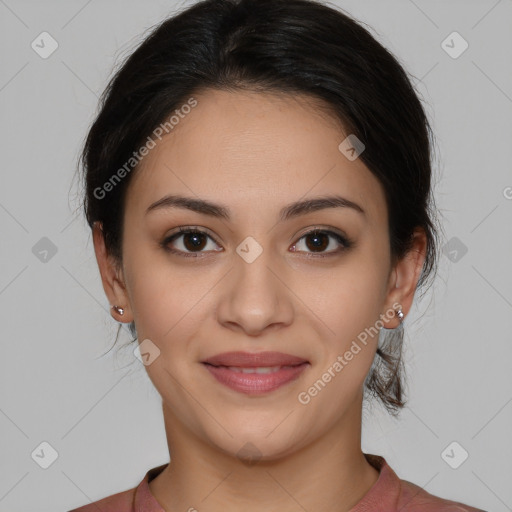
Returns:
<point x="119" y="502"/>
<point x="414" y="498"/>
<point x="392" y="493"/>
<point x="132" y="500"/>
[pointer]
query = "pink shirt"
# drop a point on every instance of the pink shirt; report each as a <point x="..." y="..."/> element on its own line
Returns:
<point x="388" y="494"/>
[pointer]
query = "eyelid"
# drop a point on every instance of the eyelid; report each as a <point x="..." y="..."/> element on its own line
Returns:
<point x="188" y="229"/>
<point x="344" y="241"/>
<point x="323" y="228"/>
<point x="185" y="230"/>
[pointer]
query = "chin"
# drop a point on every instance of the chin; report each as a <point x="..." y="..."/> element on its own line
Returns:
<point x="266" y="441"/>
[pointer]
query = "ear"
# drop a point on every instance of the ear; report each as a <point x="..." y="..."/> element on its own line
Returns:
<point x="403" y="279"/>
<point x="111" y="277"/>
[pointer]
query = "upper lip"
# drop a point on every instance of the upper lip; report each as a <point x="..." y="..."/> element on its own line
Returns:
<point x="254" y="359"/>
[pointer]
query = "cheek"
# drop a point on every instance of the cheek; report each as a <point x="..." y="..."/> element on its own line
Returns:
<point x="349" y="302"/>
<point x="169" y="300"/>
<point x="349" y="305"/>
<point x="349" y="297"/>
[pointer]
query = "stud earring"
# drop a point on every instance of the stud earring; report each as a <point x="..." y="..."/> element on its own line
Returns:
<point x="119" y="310"/>
<point x="400" y="315"/>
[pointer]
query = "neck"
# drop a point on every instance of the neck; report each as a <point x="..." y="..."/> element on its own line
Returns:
<point x="330" y="474"/>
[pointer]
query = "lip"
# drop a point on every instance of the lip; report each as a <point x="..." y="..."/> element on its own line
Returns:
<point x="222" y="368"/>
<point x="254" y="359"/>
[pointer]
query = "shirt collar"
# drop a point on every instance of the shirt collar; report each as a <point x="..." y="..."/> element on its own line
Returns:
<point x="383" y="495"/>
<point x="144" y="501"/>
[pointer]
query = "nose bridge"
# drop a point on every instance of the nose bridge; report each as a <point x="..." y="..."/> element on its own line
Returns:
<point x="254" y="297"/>
<point x="252" y="267"/>
<point x="254" y="282"/>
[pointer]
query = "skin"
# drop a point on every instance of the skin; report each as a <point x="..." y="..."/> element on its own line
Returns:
<point x="255" y="153"/>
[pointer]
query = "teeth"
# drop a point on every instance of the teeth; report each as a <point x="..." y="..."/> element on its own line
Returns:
<point x="261" y="369"/>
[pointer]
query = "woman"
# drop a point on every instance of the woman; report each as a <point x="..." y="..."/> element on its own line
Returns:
<point x="258" y="183"/>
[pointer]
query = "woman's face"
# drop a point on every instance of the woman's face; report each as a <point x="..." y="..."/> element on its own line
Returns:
<point x="254" y="281"/>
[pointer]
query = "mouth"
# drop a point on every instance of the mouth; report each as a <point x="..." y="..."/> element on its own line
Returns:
<point x="255" y="373"/>
<point x="256" y="369"/>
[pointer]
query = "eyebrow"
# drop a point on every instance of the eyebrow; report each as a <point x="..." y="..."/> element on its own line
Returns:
<point x="290" y="211"/>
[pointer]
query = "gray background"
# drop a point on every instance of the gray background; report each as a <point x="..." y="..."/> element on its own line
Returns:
<point x="101" y="414"/>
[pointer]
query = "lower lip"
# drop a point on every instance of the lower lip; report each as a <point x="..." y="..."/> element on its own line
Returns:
<point x="255" y="383"/>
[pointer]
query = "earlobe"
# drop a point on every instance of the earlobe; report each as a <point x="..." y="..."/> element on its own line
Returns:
<point x="404" y="277"/>
<point x="111" y="277"/>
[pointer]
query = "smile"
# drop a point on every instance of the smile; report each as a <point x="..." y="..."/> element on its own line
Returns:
<point x="256" y="380"/>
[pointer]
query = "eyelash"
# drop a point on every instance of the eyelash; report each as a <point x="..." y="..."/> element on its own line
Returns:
<point x="344" y="241"/>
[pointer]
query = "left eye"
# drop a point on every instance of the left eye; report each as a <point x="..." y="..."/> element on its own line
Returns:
<point x="319" y="240"/>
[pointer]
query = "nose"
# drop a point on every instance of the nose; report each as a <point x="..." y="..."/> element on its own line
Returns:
<point x="255" y="296"/>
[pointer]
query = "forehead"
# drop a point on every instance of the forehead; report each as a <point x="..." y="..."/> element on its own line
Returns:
<point x="252" y="151"/>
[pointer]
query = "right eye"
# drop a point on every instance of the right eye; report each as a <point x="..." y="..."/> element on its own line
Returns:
<point x="191" y="245"/>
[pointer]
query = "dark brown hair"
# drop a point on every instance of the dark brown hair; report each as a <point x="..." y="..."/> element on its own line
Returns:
<point x="286" y="46"/>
